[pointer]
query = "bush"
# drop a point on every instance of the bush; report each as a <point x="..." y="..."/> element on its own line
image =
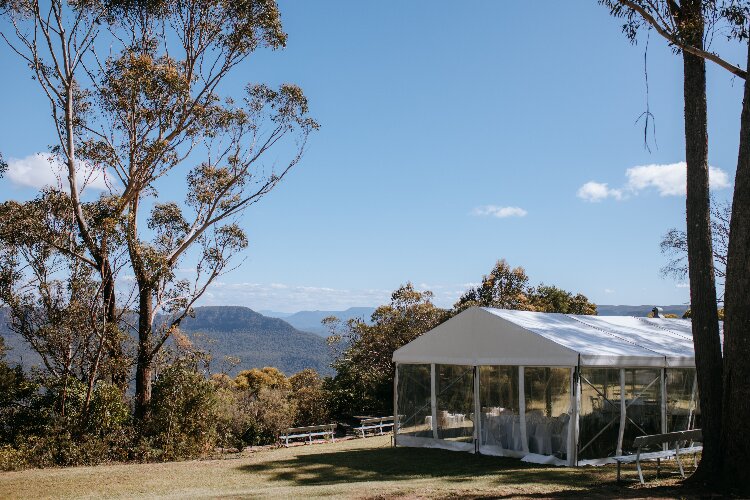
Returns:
<point x="233" y="418"/>
<point x="310" y="398"/>
<point x="11" y="458"/>
<point x="183" y="414"/>
<point x="270" y="413"/>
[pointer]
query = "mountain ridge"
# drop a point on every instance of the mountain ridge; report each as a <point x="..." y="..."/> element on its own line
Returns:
<point x="309" y="321"/>
<point x="235" y="331"/>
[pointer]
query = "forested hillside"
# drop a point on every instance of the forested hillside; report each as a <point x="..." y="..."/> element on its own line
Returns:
<point x="258" y="340"/>
<point x="255" y="339"/>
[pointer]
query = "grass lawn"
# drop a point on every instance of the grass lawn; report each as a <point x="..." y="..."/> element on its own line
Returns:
<point x="360" y="468"/>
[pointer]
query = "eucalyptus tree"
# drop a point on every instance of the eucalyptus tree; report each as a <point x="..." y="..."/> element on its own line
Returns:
<point x="674" y="246"/>
<point x="52" y="298"/>
<point x="724" y="387"/>
<point x="150" y="109"/>
<point x="54" y="39"/>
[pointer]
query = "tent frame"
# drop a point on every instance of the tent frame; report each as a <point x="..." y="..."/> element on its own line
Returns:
<point x="573" y="445"/>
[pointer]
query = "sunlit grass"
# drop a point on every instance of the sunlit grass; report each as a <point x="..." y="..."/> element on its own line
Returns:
<point x="361" y="468"/>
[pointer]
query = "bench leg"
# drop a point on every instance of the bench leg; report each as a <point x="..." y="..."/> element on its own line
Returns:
<point x="658" y="467"/>
<point x="640" y="472"/>
<point x="679" y="463"/>
<point x="618" y="472"/>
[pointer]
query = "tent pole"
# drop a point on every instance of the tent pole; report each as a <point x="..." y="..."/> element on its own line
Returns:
<point x="477" y="412"/>
<point x="396" y="422"/>
<point x="433" y="401"/>
<point x="522" y="410"/>
<point x="623" y="412"/>
<point x="573" y="421"/>
<point x="664" y="405"/>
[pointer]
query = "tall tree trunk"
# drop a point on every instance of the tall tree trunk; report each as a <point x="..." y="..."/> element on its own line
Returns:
<point x="118" y="366"/>
<point x="144" y="362"/>
<point x="705" y="319"/>
<point x="735" y="430"/>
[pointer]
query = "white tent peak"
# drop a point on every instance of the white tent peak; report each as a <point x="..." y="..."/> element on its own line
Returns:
<point x="488" y="336"/>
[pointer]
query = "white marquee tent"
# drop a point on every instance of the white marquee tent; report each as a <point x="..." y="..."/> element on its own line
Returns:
<point x="548" y="388"/>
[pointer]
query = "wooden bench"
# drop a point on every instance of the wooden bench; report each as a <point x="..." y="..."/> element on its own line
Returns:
<point x="377" y="423"/>
<point x="671" y="437"/>
<point x="308" y="432"/>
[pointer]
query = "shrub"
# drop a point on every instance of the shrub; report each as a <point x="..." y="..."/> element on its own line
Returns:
<point x="254" y="380"/>
<point x="270" y="413"/>
<point x="232" y="418"/>
<point x="310" y="398"/>
<point x="183" y="413"/>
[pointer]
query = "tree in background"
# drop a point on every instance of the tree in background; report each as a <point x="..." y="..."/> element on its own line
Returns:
<point x="364" y="369"/>
<point x="503" y="287"/>
<point x="686" y="22"/>
<point x="724" y="387"/>
<point x="153" y="107"/>
<point x="508" y="288"/>
<point x="310" y="397"/>
<point x="674" y="245"/>
<point x="254" y="380"/>
<point x="53" y="299"/>
<point x="547" y="298"/>
<point x="363" y="352"/>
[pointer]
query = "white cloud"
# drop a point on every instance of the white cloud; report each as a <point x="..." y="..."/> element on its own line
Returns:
<point x="285" y="297"/>
<point x="43" y="169"/>
<point x="668" y="180"/>
<point x="598" y="191"/>
<point x="683" y="285"/>
<point x="499" y="212"/>
<point x="292" y="298"/>
<point x="609" y="291"/>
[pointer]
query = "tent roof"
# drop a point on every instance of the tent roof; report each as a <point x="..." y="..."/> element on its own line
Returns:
<point x="486" y="336"/>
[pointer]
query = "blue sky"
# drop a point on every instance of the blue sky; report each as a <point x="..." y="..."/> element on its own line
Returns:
<point x="434" y="117"/>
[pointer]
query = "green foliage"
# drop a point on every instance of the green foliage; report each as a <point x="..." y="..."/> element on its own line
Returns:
<point x="310" y="398"/>
<point x="503" y="287"/>
<point x="689" y="314"/>
<point x="508" y="288"/>
<point x="255" y="380"/>
<point x="232" y="417"/>
<point x="364" y="370"/>
<point x="555" y="300"/>
<point x="183" y="414"/>
<point x="270" y="412"/>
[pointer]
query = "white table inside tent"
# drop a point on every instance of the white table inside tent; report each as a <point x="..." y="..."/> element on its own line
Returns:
<point x="502" y="428"/>
<point x="447" y="420"/>
<point x="546" y="435"/>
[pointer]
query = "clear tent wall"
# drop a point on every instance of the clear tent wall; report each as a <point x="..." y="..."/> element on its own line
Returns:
<point x="562" y="415"/>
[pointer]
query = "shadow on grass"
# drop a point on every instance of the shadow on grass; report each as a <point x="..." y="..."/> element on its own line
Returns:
<point x="404" y="464"/>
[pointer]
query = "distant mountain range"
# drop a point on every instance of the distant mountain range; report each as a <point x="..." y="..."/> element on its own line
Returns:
<point x="607" y="310"/>
<point x="290" y="344"/>
<point x="309" y="321"/>
<point x="255" y="339"/>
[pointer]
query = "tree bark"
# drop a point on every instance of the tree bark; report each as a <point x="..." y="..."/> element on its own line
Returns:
<point x="118" y="366"/>
<point x="144" y="361"/>
<point x="705" y="319"/>
<point x="735" y="430"/>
